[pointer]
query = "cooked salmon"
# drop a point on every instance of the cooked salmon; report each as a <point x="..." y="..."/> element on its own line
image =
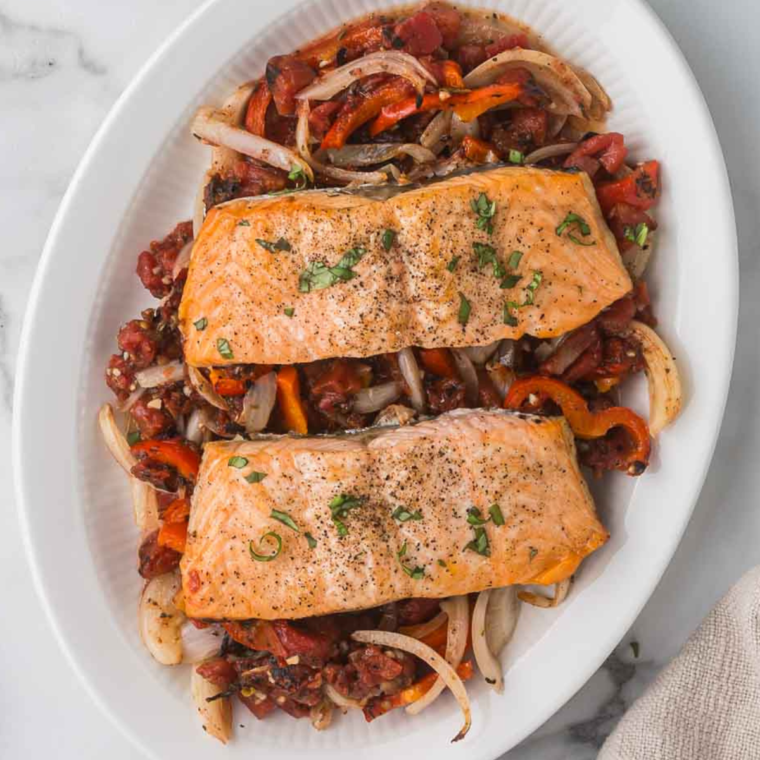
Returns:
<point x="321" y="274"/>
<point x="289" y="527"/>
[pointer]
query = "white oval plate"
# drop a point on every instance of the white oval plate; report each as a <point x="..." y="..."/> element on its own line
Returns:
<point x="138" y="178"/>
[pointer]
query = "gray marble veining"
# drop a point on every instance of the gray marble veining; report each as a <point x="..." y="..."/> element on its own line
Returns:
<point x="63" y="64"/>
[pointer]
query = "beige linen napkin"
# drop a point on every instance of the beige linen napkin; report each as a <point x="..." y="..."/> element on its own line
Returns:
<point x="706" y="704"/>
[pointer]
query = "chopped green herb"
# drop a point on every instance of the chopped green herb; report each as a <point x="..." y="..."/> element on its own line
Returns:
<point x="266" y="557"/>
<point x="533" y="287"/>
<point x="388" y="237"/>
<point x="475" y="517"/>
<point x="515" y="157"/>
<point x="464" y="310"/>
<point x="133" y="437"/>
<point x="318" y="275"/>
<point x="452" y="265"/>
<point x="510" y="281"/>
<point x="514" y="259"/>
<point x="299" y="177"/>
<point x="532" y="553"/>
<point x="509" y="318"/>
<point x="289" y="311"/>
<point x="243" y="223"/>
<point x="479" y="544"/>
<point x="573" y="221"/>
<point x="310" y="540"/>
<point x="223" y="347"/>
<point x="487" y="255"/>
<point x="340" y="507"/>
<point x="285" y="519"/>
<point x="402" y="514"/>
<point x="417" y="573"/>
<point x="255" y="477"/>
<point x="496" y="514"/>
<point x="485" y="210"/>
<point x="278" y="245"/>
<point x="237" y="462"/>
<point x="637" y="234"/>
<point x="441" y="563"/>
<point x="201" y="324"/>
<point x="635" y="649"/>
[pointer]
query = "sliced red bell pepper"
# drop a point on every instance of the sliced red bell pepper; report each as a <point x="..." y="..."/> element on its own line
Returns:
<point x="230" y="386"/>
<point x="177" y="511"/>
<point x="467" y="105"/>
<point x="289" y="400"/>
<point x="256" y="113"/>
<point x="640" y="188"/>
<point x="174" y="453"/>
<point x="356" y="112"/>
<point x="439" y="361"/>
<point x="478" y="150"/>
<point x="583" y="422"/>
<point x="364" y="37"/>
<point x="174" y="536"/>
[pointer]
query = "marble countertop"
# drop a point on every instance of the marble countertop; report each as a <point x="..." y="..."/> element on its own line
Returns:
<point x="62" y="65"/>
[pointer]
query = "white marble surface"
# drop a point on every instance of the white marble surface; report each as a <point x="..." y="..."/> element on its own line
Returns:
<point x="62" y="65"/>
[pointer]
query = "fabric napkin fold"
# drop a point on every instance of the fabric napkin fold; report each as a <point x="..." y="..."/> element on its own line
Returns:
<point x="705" y="705"/>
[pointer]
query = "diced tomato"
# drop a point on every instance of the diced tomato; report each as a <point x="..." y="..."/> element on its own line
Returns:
<point x="447" y="73"/>
<point x="639" y="189"/>
<point x="478" y="150"/>
<point x="218" y="671"/>
<point x="525" y="131"/>
<point x="259" y="707"/>
<point x="622" y="219"/>
<point x="286" y="75"/>
<point x="470" y="57"/>
<point x="609" y="149"/>
<point x="419" y="33"/>
<point x="447" y="19"/>
<point x="508" y="42"/>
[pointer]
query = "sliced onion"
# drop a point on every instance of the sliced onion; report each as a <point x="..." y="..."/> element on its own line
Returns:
<point x="321" y="715"/>
<point x="131" y="400"/>
<point x="216" y="716"/>
<point x="432" y="658"/>
<point x="395" y="414"/>
<point x="199" y="204"/>
<point x="468" y="374"/>
<point x="159" y="619"/>
<point x="161" y="374"/>
<point x="507" y="353"/>
<point x="458" y="610"/>
<point x="476" y="30"/>
<point x="461" y="129"/>
<point x="205" y="389"/>
<point x="502" y="377"/>
<point x="663" y="378"/>
<point x="373" y="399"/>
<point x="636" y="259"/>
<point x="208" y="125"/>
<point x="259" y="402"/>
<point x="337" y="698"/>
<point x="303" y="137"/>
<point x="561" y="590"/>
<point x="194" y="427"/>
<point x="115" y="440"/>
<point x="434" y="133"/>
<point x="601" y="102"/>
<point x="555" y="125"/>
<point x="489" y="666"/>
<point x="559" y="82"/>
<point x="481" y="354"/>
<point x="232" y="112"/>
<point x="144" y="506"/>
<point x="421" y="630"/>
<point x="383" y="62"/>
<point x="367" y="155"/>
<point x="199" y="644"/>
<point x="550" y="151"/>
<point x="183" y="260"/>
<point x="501" y="618"/>
<point x="411" y="373"/>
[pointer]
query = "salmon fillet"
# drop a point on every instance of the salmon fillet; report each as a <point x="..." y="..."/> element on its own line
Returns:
<point x="439" y="468"/>
<point x="234" y="304"/>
